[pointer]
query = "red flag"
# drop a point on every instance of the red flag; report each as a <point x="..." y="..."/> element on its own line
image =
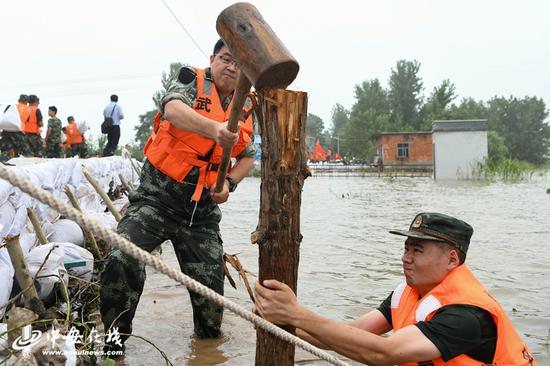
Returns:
<point x="319" y="151"/>
<point x="337" y="157"/>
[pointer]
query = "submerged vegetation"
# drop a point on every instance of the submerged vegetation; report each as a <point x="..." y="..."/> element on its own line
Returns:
<point x="508" y="170"/>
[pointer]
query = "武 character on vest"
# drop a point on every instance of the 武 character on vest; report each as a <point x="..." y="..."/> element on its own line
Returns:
<point x="175" y="199"/>
<point x="32" y="127"/>
<point x="441" y="314"/>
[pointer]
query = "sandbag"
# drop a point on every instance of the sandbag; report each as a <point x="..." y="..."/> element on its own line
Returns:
<point x="6" y="283"/>
<point x="9" y="118"/>
<point x="7" y="215"/>
<point x="82" y="127"/>
<point x="73" y="252"/>
<point x="67" y="231"/>
<point x="53" y="270"/>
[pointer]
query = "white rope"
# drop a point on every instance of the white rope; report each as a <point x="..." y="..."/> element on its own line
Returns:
<point x="129" y="248"/>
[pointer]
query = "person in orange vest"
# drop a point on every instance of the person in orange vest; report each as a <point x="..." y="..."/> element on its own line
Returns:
<point x="75" y="139"/>
<point x="32" y="127"/>
<point x="13" y="142"/>
<point x="176" y="198"/>
<point x="66" y="144"/>
<point x="441" y="314"/>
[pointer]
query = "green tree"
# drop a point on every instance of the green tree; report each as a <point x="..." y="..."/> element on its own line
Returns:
<point x="146" y="120"/>
<point x="405" y="88"/>
<point x="498" y="151"/>
<point x="468" y="109"/>
<point x="340" y="118"/>
<point x="438" y="104"/>
<point x="521" y="122"/>
<point x="369" y="115"/>
<point x="95" y="146"/>
<point x="314" y="125"/>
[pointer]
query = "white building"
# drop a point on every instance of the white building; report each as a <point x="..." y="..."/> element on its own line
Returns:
<point x="458" y="147"/>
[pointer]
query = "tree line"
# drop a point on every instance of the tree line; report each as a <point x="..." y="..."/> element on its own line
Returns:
<point x="517" y="126"/>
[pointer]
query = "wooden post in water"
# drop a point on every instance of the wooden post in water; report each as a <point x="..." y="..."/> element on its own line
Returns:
<point x="282" y="117"/>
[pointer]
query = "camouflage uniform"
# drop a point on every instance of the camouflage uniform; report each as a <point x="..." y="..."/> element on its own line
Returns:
<point x="53" y="140"/>
<point x="35" y="143"/>
<point x="80" y="150"/>
<point x="13" y="144"/>
<point x="161" y="209"/>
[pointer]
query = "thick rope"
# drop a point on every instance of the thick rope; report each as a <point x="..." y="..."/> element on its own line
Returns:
<point x="129" y="248"/>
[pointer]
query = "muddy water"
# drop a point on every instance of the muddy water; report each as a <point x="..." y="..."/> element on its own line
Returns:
<point x="349" y="263"/>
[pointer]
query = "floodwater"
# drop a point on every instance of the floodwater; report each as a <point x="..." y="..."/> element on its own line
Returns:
<point x="349" y="262"/>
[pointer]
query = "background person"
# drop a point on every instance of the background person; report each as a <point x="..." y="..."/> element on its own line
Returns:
<point x="53" y="144"/>
<point x="32" y="127"/>
<point x="114" y="111"/>
<point x="75" y="139"/>
<point x="441" y="315"/>
<point x="14" y="143"/>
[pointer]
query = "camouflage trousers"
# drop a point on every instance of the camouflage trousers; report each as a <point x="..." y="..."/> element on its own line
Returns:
<point x="35" y="143"/>
<point x="79" y="150"/>
<point x="14" y="144"/>
<point x="53" y="150"/>
<point x="199" y="252"/>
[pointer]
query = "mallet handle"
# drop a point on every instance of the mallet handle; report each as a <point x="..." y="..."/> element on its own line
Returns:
<point x="239" y="97"/>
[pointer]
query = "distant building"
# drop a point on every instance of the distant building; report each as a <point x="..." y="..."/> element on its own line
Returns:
<point x="459" y="145"/>
<point x="405" y="149"/>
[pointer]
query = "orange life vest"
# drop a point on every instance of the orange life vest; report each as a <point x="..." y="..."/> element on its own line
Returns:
<point x="175" y="152"/>
<point x="460" y="287"/>
<point x="24" y="114"/>
<point x="31" y="124"/>
<point x="73" y="134"/>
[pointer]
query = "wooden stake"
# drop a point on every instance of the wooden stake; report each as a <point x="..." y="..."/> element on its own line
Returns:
<point x="282" y="116"/>
<point x="89" y="237"/>
<point x="125" y="183"/>
<point x="40" y="235"/>
<point x="102" y="193"/>
<point x="24" y="279"/>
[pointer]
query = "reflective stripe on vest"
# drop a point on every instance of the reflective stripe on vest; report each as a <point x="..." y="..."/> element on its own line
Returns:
<point x="459" y="287"/>
<point x="174" y="151"/>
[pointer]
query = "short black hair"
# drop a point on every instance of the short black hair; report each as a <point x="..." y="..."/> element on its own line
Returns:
<point x="218" y="46"/>
<point x="70" y="118"/>
<point x="33" y="98"/>
<point x="53" y="108"/>
<point x="114" y="98"/>
<point x="24" y="98"/>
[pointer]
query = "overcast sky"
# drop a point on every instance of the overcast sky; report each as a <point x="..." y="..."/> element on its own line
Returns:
<point x="74" y="54"/>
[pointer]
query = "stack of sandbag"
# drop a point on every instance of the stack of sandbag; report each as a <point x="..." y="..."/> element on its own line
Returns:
<point x="9" y="118"/>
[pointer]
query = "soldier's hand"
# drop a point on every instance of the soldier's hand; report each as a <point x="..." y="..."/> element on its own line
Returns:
<point x="224" y="137"/>
<point x="222" y="196"/>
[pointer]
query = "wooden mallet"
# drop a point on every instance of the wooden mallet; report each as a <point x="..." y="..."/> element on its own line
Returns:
<point x="262" y="58"/>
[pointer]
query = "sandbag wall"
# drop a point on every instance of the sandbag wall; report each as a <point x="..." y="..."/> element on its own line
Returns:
<point x="53" y="175"/>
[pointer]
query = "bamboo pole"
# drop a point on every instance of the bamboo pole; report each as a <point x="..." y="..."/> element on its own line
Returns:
<point x="88" y="236"/>
<point x="125" y="183"/>
<point x="40" y="235"/>
<point x="282" y="116"/>
<point x="102" y="193"/>
<point x="24" y="278"/>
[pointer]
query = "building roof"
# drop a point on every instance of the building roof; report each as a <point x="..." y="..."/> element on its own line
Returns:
<point x="459" y="125"/>
<point x="405" y="133"/>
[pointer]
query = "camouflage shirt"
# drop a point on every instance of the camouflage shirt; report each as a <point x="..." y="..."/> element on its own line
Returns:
<point x="173" y="197"/>
<point x="54" y="125"/>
